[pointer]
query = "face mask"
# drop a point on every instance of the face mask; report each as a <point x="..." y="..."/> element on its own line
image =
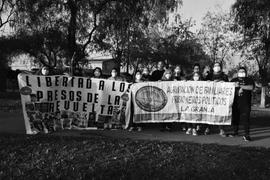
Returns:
<point x="168" y="76"/>
<point x="97" y="74"/>
<point x="196" y="78"/>
<point x="145" y="72"/>
<point x="113" y="74"/>
<point x="160" y="66"/>
<point x="216" y="69"/>
<point x="138" y="77"/>
<point x="196" y="70"/>
<point x="241" y="74"/>
<point x="44" y="72"/>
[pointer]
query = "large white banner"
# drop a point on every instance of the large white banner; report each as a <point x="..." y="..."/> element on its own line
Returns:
<point x="183" y="101"/>
<point x="63" y="102"/>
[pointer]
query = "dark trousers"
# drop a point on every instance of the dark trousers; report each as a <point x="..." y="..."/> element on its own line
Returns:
<point x="241" y="114"/>
<point x="191" y="125"/>
<point x="205" y="126"/>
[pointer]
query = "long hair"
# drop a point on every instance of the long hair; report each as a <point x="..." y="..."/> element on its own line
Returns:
<point x="100" y="70"/>
<point x="181" y="74"/>
<point x="167" y="71"/>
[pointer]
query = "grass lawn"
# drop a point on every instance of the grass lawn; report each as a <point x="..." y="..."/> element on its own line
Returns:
<point x="95" y="157"/>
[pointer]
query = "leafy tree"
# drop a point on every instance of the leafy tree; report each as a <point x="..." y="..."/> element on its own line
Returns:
<point x="72" y="22"/>
<point x="217" y="37"/>
<point x="253" y="21"/>
<point x="83" y="26"/>
<point x="7" y="10"/>
<point x="127" y="29"/>
<point x="177" y="44"/>
<point x="39" y="45"/>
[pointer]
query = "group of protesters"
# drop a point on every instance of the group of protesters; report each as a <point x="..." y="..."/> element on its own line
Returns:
<point x="242" y="100"/>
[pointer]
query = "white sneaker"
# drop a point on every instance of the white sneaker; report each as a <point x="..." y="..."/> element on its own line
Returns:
<point x="189" y="131"/>
<point x="222" y="133"/>
<point x="207" y="131"/>
<point x="194" y="132"/>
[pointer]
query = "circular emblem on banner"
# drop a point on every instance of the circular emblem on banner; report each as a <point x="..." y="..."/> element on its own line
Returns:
<point x="26" y="90"/>
<point x="151" y="99"/>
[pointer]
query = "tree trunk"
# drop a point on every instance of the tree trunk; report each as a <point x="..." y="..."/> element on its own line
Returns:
<point x="262" y="105"/>
<point x="72" y="30"/>
<point x="3" y="79"/>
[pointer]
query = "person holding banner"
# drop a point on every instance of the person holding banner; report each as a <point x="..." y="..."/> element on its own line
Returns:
<point x="167" y="76"/>
<point x="196" y="69"/>
<point x="158" y="74"/>
<point x="242" y="102"/>
<point x="115" y="76"/>
<point x="217" y="76"/>
<point x="78" y="71"/>
<point x="97" y="73"/>
<point x="138" y="79"/>
<point x="178" y="74"/>
<point x="206" y="72"/>
<point x="145" y="74"/>
<point x="192" y="128"/>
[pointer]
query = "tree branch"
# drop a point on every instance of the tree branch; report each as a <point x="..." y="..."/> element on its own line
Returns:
<point x="2" y="5"/>
<point x="95" y="24"/>
<point x="12" y="6"/>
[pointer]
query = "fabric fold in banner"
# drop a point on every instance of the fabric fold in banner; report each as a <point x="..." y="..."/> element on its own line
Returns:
<point x="183" y="101"/>
<point x="64" y="102"/>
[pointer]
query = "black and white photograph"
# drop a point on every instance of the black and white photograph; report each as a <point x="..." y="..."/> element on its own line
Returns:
<point x="135" y="89"/>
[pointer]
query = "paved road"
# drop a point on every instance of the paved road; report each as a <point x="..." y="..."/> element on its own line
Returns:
<point x="12" y="122"/>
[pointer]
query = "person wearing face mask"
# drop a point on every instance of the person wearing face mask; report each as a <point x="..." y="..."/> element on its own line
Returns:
<point x="206" y="72"/>
<point x="217" y="76"/>
<point x="115" y="76"/>
<point x="167" y="76"/>
<point x="145" y="74"/>
<point x="192" y="126"/>
<point x="196" y="77"/>
<point x="178" y="74"/>
<point x="157" y="74"/>
<point x="97" y="73"/>
<point x="138" y="77"/>
<point x="242" y="102"/>
<point x="134" y="126"/>
<point x="196" y="69"/>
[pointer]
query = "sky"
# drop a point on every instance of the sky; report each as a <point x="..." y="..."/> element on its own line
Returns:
<point x="196" y="9"/>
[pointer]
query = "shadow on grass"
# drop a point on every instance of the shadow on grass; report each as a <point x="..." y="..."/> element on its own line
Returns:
<point x="261" y="121"/>
<point x="49" y="157"/>
<point x="260" y="131"/>
<point x="258" y="138"/>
